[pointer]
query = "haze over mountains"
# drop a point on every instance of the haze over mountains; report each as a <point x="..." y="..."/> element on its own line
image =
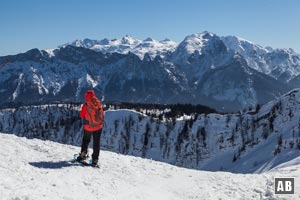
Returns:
<point x="226" y="73"/>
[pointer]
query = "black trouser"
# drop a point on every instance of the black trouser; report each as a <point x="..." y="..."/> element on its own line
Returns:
<point x="96" y="143"/>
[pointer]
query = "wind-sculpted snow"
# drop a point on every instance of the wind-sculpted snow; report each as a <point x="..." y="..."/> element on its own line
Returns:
<point x="41" y="170"/>
<point x="254" y="141"/>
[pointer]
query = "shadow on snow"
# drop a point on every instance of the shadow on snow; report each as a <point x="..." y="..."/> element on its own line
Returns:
<point x="53" y="165"/>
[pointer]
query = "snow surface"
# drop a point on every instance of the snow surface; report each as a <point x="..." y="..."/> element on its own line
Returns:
<point x="37" y="169"/>
<point x="50" y="52"/>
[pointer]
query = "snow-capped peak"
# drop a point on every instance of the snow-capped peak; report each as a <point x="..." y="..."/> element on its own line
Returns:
<point x="239" y="44"/>
<point x="274" y="62"/>
<point x="194" y="43"/>
<point x="104" y="41"/>
<point x="166" y="40"/>
<point x="129" y="40"/>
<point x="86" y="43"/>
<point x="149" y="39"/>
<point x="126" y="44"/>
<point x="197" y="41"/>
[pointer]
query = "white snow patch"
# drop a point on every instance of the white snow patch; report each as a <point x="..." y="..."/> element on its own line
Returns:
<point x="50" y="52"/>
<point x="17" y="90"/>
<point x="91" y="81"/>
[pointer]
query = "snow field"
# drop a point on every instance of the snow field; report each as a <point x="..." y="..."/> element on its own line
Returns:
<point x="37" y="169"/>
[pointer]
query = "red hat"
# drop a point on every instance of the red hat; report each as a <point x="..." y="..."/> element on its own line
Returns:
<point x="89" y="94"/>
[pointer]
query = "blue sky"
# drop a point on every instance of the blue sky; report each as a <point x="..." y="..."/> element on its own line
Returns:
<point x="46" y="24"/>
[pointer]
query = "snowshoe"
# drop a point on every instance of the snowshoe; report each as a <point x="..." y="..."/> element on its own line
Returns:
<point x="94" y="163"/>
<point x="82" y="157"/>
<point x="83" y="160"/>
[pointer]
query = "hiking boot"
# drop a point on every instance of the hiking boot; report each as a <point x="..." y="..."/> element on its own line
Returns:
<point x="82" y="156"/>
<point x="94" y="163"/>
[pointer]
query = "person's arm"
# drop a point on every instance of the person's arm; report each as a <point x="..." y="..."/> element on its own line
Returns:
<point x="102" y="113"/>
<point x="83" y="111"/>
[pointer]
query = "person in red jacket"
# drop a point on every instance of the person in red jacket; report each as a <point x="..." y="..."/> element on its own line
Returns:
<point x="92" y="114"/>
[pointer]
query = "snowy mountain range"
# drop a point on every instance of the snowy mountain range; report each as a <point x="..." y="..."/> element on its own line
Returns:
<point x="254" y="141"/>
<point x="282" y="64"/>
<point x="226" y="73"/>
<point x="43" y="170"/>
<point x="128" y="44"/>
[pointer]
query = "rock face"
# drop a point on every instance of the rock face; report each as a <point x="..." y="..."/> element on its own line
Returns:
<point x="226" y="73"/>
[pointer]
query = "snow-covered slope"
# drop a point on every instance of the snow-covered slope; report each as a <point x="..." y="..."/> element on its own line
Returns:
<point x="72" y="70"/>
<point x="199" y="44"/>
<point x="281" y="64"/>
<point x="250" y="51"/>
<point x="220" y="74"/>
<point x="127" y="44"/>
<point x="38" y="170"/>
<point x="253" y="141"/>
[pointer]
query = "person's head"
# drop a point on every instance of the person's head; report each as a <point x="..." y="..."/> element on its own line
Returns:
<point x="89" y="94"/>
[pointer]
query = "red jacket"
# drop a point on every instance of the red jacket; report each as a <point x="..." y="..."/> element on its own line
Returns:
<point x="84" y="113"/>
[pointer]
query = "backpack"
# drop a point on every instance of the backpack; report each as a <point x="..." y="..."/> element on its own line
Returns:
<point x="95" y="112"/>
